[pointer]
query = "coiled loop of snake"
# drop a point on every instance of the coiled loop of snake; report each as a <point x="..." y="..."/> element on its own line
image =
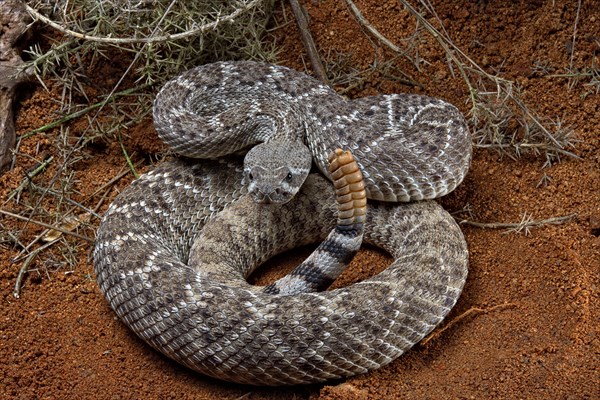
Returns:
<point x="216" y="323"/>
<point x="174" y="249"/>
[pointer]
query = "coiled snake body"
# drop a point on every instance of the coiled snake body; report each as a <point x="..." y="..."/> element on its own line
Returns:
<point x="174" y="249"/>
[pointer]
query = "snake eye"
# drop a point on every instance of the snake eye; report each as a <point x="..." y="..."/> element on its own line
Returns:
<point x="289" y="176"/>
<point x="250" y="176"/>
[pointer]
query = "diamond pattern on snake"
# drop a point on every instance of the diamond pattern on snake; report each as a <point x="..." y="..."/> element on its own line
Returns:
<point x="175" y="248"/>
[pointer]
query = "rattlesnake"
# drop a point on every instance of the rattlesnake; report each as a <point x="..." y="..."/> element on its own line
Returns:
<point x="174" y="249"/>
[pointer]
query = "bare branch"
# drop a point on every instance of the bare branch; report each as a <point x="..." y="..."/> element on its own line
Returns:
<point x="308" y="41"/>
<point x="473" y="310"/>
<point x="368" y="26"/>
<point x="525" y="224"/>
<point x="45" y="225"/>
<point x="149" y="40"/>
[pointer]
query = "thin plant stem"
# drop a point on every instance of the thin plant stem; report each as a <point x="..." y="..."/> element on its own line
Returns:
<point x="148" y="40"/>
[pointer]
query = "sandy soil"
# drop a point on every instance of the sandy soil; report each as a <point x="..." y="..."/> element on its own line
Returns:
<point x="533" y="331"/>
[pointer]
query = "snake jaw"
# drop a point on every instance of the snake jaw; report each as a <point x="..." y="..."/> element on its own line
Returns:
<point x="271" y="186"/>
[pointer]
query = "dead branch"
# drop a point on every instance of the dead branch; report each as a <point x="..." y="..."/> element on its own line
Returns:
<point x="147" y="40"/>
<point x="25" y="267"/>
<point x="45" y="225"/>
<point x="13" y="21"/>
<point x="309" y="43"/>
<point x="369" y="27"/>
<point x="470" y="311"/>
<point x="525" y="224"/>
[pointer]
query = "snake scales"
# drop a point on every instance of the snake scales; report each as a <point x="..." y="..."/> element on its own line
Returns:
<point x="175" y="248"/>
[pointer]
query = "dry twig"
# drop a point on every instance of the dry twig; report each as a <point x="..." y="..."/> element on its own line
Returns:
<point x="309" y="43"/>
<point x="147" y="40"/>
<point x="573" y="40"/>
<point x="471" y="311"/>
<point x="39" y="168"/>
<point x="25" y="267"/>
<point x="495" y="102"/>
<point x="381" y="38"/>
<point x="525" y="224"/>
<point x="45" y="225"/>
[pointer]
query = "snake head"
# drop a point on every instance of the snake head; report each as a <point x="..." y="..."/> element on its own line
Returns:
<point x="275" y="170"/>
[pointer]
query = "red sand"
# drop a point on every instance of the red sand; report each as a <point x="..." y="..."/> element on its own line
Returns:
<point x="533" y="332"/>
